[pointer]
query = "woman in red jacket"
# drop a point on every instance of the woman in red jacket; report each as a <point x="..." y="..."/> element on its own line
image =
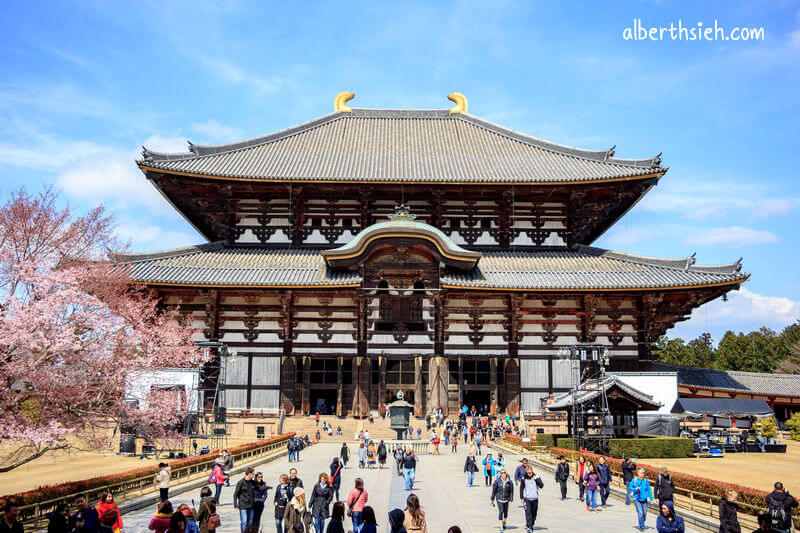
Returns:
<point x="218" y="476"/>
<point x="160" y="522"/>
<point x="108" y="512"/>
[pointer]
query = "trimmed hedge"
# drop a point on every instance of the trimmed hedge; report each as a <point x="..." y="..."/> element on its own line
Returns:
<point x="655" y="446"/>
<point x="647" y="446"/>
<point x="52" y="492"/>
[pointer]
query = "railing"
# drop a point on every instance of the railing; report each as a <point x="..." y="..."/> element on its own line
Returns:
<point x="698" y="502"/>
<point x="417" y="446"/>
<point x="137" y="487"/>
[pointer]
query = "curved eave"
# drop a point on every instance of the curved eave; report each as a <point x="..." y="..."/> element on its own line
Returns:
<point x="732" y="284"/>
<point x="352" y="251"/>
<point x="654" y="173"/>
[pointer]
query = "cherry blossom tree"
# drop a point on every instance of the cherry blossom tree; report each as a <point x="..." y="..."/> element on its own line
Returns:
<point x="72" y="330"/>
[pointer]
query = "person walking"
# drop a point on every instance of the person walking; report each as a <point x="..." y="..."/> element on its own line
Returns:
<point x="454" y="443"/>
<point x="371" y="455"/>
<point x="218" y="477"/>
<point x="641" y="494"/>
<point x="529" y="487"/>
<point x="294" y="482"/>
<point x="591" y="480"/>
<point x="85" y="519"/>
<point x="58" y="520"/>
<point x="664" y="487"/>
<point x="562" y="475"/>
<point x="356" y="501"/>
<point x="409" y="468"/>
<point x="336" y="525"/>
<point x="191" y="521"/>
<point x="396" y="518"/>
<point x="414" y="517"/>
<point x="227" y="467"/>
<point x="370" y="523"/>
<point x="207" y="517"/>
<point x="319" y="504"/>
<point x="398" y="457"/>
<point x="296" y="518"/>
<point x="519" y="473"/>
<point x="336" y="476"/>
<point x="160" y="521"/>
<point x="503" y="493"/>
<point x="283" y="495"/>
<point x="603" y="480"/>
<point x="668" y="521"/>
<point x="344" y="454"/>
<point x="243" y="497"/>
<point x="470" y="467"/>
<point x="261" y="490"/>
<point x="290" y="447"/>
<point x="161" y="481"/>
<point x="362" y="455"/>
<point x="382" y="454"/>
<point x="478" y="441"/>
<point x="728" y="513"/>
<point x="779" y="507"/>
<point x="628" y="470"/>
<point x="488" y="469"/>
<point x="109" y="514"/>
<point x="580" y="468"/>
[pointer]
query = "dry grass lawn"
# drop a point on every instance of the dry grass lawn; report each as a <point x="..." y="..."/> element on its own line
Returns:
<point x="62" y="466"/>
<point x="758" y="470"/>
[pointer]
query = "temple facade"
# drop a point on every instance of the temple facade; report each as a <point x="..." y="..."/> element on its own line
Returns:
<point x="430" y="251"/>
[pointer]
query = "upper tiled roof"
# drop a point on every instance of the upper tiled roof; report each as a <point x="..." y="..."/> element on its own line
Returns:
<point x="423" y="146"/>
<point x="735" y="380"/>
<point x="589" y="267"/>
<point x="583" y="268"/>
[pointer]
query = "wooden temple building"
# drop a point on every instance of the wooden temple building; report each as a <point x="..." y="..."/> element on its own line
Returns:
<point x="430" y="251"/>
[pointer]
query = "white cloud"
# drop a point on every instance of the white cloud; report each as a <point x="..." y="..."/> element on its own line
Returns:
<point x="48" y="153"/>
<point x="732" y="235"/>
<point x="148" y="237"/>
<point x="111" y="177"/>
<point x="218" y="133"/>
<point x="745" y="311"/>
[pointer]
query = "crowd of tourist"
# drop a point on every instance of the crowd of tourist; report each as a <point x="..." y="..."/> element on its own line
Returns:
<point x="321" y="510"/>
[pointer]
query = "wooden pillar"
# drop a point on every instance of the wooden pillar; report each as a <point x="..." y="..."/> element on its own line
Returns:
<point x="493" y="384"/>
<point x="339" y="406"/>
<point x="419" y="390"/>
<point x="438" y="377"/>
<point x="460" y="381"/>
<point x="382" y="386"/>
<point x="306" y="387"/>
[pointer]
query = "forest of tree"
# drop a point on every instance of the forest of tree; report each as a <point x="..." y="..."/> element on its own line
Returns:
<point x="763" y="350"/>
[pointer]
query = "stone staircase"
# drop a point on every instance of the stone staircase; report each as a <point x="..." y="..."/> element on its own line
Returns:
<point x="303" y="425"/>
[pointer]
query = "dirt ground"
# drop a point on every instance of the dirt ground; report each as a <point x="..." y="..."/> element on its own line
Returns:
<point x="758" y="470"/>
<point x="61" y="466"/>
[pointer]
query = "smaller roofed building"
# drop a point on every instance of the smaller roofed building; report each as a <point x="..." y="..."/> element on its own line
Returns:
<point x="781" y="392"/>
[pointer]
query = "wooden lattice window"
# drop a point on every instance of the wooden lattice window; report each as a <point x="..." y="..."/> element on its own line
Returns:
<point x="400" y="312"/>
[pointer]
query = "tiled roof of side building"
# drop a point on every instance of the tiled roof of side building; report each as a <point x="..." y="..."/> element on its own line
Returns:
<point x="383" y="145"/>
<point x="585" y="268"/>
<point x="733" y="380"/>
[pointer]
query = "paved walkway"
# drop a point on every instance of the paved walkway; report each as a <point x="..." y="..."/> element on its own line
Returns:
<point x="441" y="487"/>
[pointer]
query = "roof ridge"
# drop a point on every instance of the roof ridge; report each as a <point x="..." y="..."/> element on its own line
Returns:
<point x="678" y="263"/>
<point x="602" y="156"/>
<point x="172" y="252"/>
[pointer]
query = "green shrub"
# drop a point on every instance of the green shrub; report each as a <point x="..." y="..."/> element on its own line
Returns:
<point x="768" y="428"/>
<point x="794" y="426"/>
<point x="658" y="447"/>
<point x="566" y="443"/>
<point x="545" y="439"/>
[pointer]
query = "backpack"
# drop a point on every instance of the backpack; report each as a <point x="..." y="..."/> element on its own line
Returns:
<point x="778" y="514"/>
<point x="213" y="521"/>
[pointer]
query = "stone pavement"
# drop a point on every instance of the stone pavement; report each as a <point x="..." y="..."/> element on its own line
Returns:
<point x="441" y="487"/>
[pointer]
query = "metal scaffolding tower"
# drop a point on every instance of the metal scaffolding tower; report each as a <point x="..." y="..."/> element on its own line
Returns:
<point x="590" y="423"/>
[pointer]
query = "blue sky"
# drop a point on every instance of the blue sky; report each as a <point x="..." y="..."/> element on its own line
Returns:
<point x="84" y="85"/>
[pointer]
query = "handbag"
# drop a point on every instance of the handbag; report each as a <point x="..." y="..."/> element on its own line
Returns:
<point x="350" y="511"/>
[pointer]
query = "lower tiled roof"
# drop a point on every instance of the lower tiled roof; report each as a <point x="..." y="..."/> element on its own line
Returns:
<point x="733" y="380"/>
<point x="582" y="268"/>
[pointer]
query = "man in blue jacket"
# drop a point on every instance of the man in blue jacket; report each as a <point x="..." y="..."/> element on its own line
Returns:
<point x="641" y="494"/>
<point x="668" y="521"/>
<point x="604" y="475"/>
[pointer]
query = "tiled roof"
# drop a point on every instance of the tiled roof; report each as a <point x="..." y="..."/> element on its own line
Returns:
<point x="401" y="146"/>
<point x="588" y="267"/>
<point x="214" y="265"/>
<point x="583" y="268"/>
<point x="735" y="380"/>
<point x="593" y="389"/>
